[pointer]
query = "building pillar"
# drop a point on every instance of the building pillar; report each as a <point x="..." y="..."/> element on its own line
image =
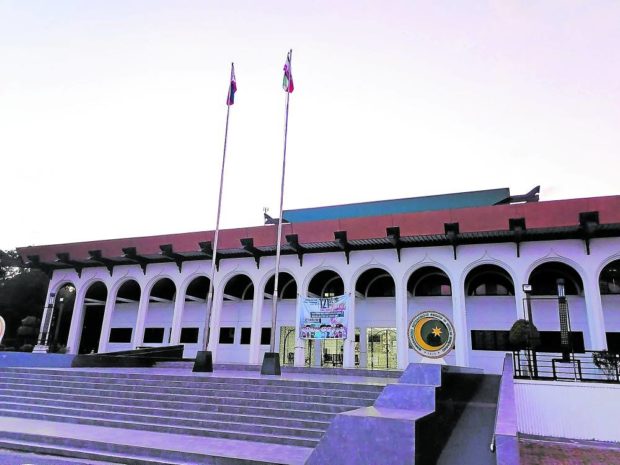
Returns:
<point x="349" y="342"/>
<point x="402" y="341"/>
<point x="520" y="309"/>
<point x="460" y="325"/>
<point x="106" y="323"/>
<point x="77" y="320"/>
<point x="594" y="312"/>
<point x="364" y="347"/>
<point x="143" y="306"/>
<point x="257" y="325"/>
<point x="300" y="356"/>
<point x="177" y="318"/>
<point x="216" y="309"/>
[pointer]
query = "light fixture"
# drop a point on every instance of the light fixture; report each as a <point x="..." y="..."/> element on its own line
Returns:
<point x="561" y="290"/>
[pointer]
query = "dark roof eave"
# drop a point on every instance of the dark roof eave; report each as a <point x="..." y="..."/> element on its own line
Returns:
<point x="432" y="240"/>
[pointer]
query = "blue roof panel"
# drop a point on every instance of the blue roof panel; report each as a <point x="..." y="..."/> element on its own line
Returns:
<point x="390" y="207"/>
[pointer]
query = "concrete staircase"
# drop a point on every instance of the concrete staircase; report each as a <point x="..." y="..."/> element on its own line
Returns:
<point x="239" y="417"/>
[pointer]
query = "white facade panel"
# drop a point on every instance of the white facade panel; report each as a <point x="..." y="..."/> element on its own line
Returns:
<point x="587" y="411"/>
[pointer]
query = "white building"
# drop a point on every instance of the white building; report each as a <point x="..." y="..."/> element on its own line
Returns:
<point x="464" y="255"/>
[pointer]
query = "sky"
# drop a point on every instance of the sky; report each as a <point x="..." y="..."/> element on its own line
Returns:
<point x="112" y="112"/>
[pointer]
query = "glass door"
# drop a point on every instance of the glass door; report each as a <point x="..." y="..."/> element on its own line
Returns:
<point x="287" y="345"/>
<point x="381" y="352"/>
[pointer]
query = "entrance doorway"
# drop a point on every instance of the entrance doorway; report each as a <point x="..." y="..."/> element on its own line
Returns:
<point x="381" y="352"/>
<point x="287" y="345"/>
<point x="94" y="306"/>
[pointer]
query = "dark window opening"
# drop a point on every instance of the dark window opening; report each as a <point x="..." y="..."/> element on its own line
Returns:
<point x="613" y="342"/>
<point x="499" y="341"/>
<point x="246" y="335"/>
<point x="189" y="335"/>
<point x="609" y="280"/>
<point x="227" y="335"/>
<point x="265" y="336"/>
<point x="120" y="335"/>
<point x="153" y="335"/>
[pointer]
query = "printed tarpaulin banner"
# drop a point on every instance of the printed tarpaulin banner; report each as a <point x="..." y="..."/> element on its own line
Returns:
<point x="324" y="318"/>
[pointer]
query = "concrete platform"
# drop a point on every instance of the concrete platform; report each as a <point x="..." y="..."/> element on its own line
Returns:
<point x="214" y="447"/>
<point x="62" y="431"/>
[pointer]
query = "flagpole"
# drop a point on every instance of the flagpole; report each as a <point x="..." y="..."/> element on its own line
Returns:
<point x="271" y="365"/>
<point x="206" y="362"/>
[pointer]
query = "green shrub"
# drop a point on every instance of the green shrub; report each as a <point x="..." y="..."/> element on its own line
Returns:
<point x="524" y="335"/>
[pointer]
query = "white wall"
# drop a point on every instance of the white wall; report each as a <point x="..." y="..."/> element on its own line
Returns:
<point x="591" y="314"/>
<point x="194" y="316"/>
<point x="123" y="316"/>
<point x="236" y="315"/>
<point x="568" y="410"/>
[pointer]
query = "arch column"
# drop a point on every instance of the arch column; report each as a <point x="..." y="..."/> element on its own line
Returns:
<point x="177" y="317"/>
<point x="460" y="324"/>
<point x="594" y="313"/>
<point x="257" y="324"/>
<point x="77" y="320"/>
<point x="521" y="312"/>
<point x="402" y="344"/>
<point x="106" y="323"/>
<point x="349" y="342"/>
<point x="216" y="309"/>
<point x="143" y="305"/>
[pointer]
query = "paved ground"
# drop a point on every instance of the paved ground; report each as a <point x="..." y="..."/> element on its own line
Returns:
<point x="542" y="452"/>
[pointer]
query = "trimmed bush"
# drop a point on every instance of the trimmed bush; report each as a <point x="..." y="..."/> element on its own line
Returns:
<point x="524" y="335"/>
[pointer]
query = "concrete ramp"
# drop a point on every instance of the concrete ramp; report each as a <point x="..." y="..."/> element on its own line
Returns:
<point x="434" y="415"/>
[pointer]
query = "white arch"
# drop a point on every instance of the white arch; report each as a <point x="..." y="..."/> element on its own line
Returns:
<point x="113" y="292"/>
<point x="367" y="267"/>
<point x="376" y="278"/>
<point x="555" y="258"/>
<point x="605" y="263"/>
<point x="62" y="283"/>
<point x="310" y="276"/>
<point x="148" y="288"/>
<point x="427" y="264"/>
<point x="182" y="289"/>
<point x="246" y="289"/>
<point x="488" y="261"/>
<point x="478" y="265"/>
<point x="266" y="278"/>
<point x="578" y="269"/>
<point x="226" y="279"/>
<point x="437" y="272"/>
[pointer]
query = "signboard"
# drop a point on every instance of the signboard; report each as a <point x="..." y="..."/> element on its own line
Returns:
<point x="324" y="318"/>
<point x="431" y="334"/>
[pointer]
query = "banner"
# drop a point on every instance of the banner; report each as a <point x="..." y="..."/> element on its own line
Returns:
<point x="324" y="318"/>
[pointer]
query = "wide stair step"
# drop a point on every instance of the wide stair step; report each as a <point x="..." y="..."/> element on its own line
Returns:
<point x="251" y="410"/>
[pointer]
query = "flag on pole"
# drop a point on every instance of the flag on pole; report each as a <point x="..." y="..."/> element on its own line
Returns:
<point x="287" y="80"/>
<point x="230" y="99"/>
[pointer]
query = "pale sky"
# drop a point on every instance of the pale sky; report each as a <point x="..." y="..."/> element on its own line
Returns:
<point x="112" y="112"/>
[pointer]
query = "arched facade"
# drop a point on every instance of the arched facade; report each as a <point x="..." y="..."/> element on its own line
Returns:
<point x="477" y="285"/>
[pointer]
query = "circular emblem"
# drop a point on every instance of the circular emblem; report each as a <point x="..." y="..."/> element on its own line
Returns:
<point x="431" y="334"/>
